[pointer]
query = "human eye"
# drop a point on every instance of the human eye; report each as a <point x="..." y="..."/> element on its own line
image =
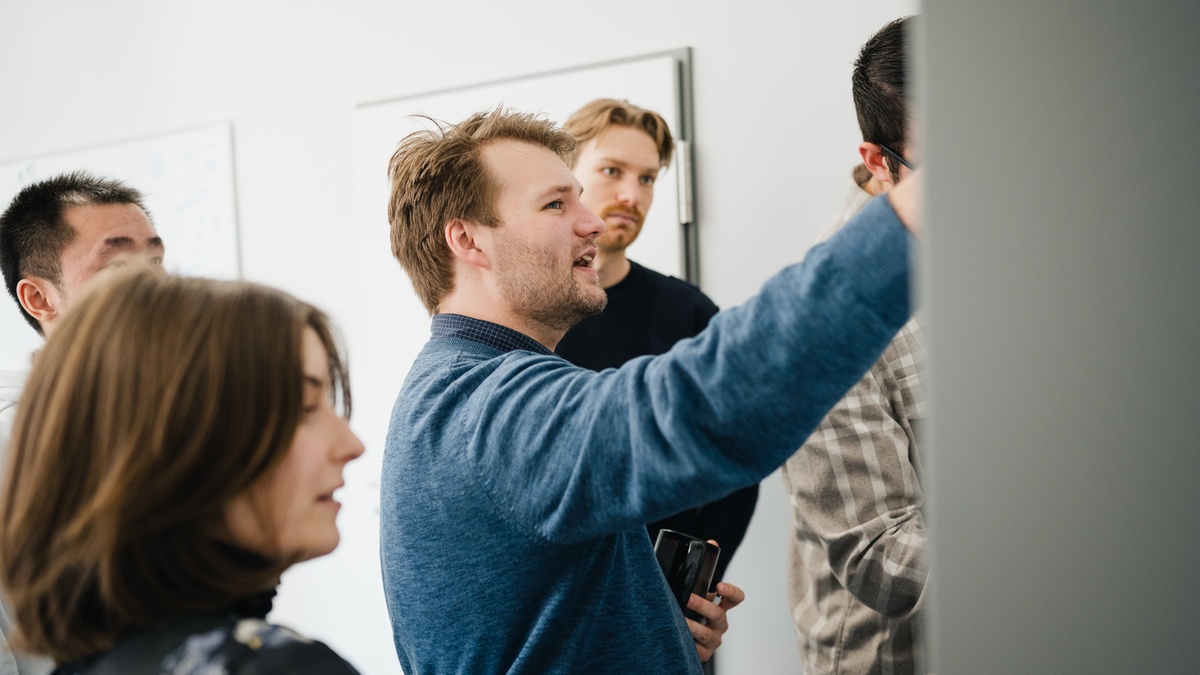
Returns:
<point x="648" y="179"/>
<point x="610" y="171"/>
<point x="309" y="412"/>
<point x="313" y="399"/>
<point x="556" y="205"/>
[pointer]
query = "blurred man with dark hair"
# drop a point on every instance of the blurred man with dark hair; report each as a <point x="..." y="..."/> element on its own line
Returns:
<point x="55" y="236"/>
<point x="859" y="557"/>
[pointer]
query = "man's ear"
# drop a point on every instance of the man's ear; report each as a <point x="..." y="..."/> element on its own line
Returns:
<point x="876" y="162"/>
<point x="464" y="238"/>
<point x="40" y="298"/>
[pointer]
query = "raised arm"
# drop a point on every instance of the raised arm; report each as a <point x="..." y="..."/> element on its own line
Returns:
<point x="623" y="447"/>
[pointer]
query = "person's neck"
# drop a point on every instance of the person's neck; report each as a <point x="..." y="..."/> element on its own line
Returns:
<point x="611" y="266"/>
<point x="868" y="182"/>
<point x="501" y="314"/>
<point x="876" y="187"/>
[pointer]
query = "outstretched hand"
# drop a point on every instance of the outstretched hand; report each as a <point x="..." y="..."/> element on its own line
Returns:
<point x="714" y="609"/>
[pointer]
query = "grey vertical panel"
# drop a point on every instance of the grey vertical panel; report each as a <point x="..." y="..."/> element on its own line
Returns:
<point x="1064" y="290"/>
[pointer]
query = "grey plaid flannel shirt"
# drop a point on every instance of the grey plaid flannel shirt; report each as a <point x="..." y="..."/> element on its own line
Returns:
<point x="858" y="558"/>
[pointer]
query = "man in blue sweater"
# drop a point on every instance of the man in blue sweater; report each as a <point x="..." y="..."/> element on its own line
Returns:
<point x="516" y="485"/>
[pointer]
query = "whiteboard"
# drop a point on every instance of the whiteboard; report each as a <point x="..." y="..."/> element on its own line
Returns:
<point x="650" y="82"/>
<point x="396" y="324"/>
<point x="188" y="183"/>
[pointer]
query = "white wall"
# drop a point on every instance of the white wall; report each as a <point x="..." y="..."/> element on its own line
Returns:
<point x="1065" y="297"/>
<point x="775" y="135"/>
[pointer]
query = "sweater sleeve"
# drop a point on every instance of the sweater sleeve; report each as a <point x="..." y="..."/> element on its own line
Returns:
<point x="571" y="454"/>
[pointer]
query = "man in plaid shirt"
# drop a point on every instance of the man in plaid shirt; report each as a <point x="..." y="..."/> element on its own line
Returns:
<point x="859" y="558"/>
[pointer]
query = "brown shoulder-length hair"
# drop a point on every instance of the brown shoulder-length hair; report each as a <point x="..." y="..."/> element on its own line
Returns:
<point x="438" y="175"/>
<point x="157" y="402"/>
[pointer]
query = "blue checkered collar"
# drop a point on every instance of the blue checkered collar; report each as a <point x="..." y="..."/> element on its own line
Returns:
<point x="491" y="334"/>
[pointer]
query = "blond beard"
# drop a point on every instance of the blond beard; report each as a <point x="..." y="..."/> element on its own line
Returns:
<point x="534" y="295"/>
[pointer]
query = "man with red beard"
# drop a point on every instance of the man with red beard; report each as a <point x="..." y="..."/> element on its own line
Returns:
<point x="621" y="150"/>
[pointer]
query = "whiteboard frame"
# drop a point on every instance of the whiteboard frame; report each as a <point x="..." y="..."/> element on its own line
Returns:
<point x="682" y="132"/>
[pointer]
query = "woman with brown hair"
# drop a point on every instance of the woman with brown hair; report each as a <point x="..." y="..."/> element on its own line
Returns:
<point x="176" y="449"/>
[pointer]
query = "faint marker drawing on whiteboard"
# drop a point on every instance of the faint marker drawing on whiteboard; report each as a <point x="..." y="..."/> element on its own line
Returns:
<point x="187" y="180"/>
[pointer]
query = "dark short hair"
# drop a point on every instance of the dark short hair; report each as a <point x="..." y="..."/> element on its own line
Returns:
<point x="33" y="231"/>
<point x="880" y="84"/>
<point x="157" y="402"/>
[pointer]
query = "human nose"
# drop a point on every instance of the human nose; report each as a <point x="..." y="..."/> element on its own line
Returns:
<point x="349" y="447"/>
<point x="589" y="225"/>
<point x="629" y="192"/>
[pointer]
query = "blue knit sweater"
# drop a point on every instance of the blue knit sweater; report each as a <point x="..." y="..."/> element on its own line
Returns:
<point x="516" y="486"/>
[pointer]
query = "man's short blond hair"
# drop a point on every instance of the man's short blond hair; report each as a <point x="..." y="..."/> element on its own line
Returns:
<point x="594" y="118"/>
<point x="438" y="175"/>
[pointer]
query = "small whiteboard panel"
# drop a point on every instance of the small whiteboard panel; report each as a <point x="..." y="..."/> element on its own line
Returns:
<point x="187" y="180"/>
<point x="651" y="83"/>
<point x="397" y="323"/>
